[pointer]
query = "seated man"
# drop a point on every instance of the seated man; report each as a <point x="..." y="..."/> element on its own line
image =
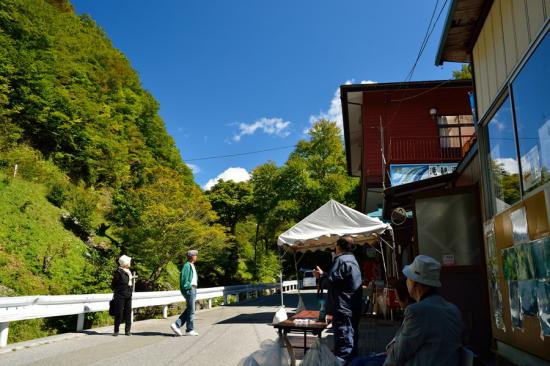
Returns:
<point x="431" y="333"/>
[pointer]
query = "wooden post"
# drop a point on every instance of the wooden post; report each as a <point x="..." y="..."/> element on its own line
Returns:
<point x="80" y="323"/>
<point x="4" y="329"/>
<point x="165" y="311"/>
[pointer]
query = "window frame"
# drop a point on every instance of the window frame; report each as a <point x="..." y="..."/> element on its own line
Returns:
<point x="483" y="135"/>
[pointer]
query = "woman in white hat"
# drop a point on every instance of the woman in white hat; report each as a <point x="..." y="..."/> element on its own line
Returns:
<point x="122" y="299"/>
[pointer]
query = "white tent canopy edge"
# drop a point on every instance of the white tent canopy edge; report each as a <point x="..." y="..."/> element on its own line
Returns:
<point x="323" y="227"/>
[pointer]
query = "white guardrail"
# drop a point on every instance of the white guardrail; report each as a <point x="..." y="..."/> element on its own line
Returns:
<point x="35" y="307"/>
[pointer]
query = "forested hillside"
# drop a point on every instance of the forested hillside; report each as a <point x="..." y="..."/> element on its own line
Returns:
<point x="87" y="169"/>
<point x="88" y="172"/>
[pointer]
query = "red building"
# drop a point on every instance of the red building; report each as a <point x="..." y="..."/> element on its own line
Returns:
<point x="427" y="123"/>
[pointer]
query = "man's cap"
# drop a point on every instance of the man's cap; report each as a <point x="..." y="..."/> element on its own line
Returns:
<point x="424" y="270"/>
<point x="192" y="253"/>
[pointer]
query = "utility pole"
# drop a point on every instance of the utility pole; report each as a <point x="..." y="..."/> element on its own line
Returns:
<point x="383" y="156"/>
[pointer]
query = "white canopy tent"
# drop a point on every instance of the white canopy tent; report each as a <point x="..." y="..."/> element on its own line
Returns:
<point x="322" y="228"/>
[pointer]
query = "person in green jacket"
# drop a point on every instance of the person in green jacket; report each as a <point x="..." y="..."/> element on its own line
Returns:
<point x="188" y="288"/>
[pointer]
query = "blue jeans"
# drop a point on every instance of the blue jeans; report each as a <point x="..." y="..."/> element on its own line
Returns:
<point x="346" y="337"/>
<point x="188" y="316"/>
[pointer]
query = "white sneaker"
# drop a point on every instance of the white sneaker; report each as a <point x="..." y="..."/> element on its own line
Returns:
<point x="191" y="333"/>
<point x="176" y="329"/>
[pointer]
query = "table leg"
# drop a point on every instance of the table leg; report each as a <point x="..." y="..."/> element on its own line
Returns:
<point x="290" y="350"/>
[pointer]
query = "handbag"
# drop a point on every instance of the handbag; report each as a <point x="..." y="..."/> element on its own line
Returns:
<point x="112" y="307"/>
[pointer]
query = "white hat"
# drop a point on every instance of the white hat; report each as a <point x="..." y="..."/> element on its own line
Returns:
<point x="124" y="260"/>
<point x="424" y="270"/>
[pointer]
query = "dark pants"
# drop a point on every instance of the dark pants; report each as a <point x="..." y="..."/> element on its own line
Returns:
<point x="346" y="337"/>
<point x="123" y="312"/>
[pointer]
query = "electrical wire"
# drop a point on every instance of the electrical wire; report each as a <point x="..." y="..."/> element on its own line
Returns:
<point x="239" y="154"/>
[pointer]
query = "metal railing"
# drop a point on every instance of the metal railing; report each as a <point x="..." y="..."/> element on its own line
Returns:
<point x="35" y="307"/>
<point x="415" y="149"/>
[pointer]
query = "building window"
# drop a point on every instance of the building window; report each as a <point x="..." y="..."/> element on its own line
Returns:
<point x="531" y="94"/>
<point x="503" y="163"/>
<point x="455" y="131"/>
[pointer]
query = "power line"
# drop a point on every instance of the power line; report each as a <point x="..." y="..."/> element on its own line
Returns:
<point x="423" y="44"/>
<point x="427" y="35"/>
<point x="239" y="154"/>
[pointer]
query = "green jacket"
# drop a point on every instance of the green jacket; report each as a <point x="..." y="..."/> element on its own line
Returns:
<point x="186" y="276"/>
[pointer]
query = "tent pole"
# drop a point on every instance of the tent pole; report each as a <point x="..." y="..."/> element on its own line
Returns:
<point x="281" y="275"/>
<point x="384" y="262"/>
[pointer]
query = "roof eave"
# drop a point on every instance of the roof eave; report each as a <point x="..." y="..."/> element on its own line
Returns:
<point x="439" y="57"/>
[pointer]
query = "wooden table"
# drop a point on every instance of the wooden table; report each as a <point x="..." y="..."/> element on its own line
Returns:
<point x="288" y="326"/>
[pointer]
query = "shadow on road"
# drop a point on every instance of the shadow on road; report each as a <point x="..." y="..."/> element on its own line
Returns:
<point x="309" y="298"/>
<point x="138" y="334"/>
<point x="256" y="318"/>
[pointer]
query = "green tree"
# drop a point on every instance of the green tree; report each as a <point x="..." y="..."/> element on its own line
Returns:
<point x="172" y="218"/>
<point x="465" y="72"/>
<point x="232" y="202"/>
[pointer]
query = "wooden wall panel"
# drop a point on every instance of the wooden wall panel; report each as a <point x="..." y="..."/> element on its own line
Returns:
<point x="498" y="38"/>
<point x="491" y="58"/>
<point x="520" y="26"/>
<point x="482" y="77"/>
<point x="537" y="217"/>
<point x="535" y="13"/>
<point x="528" y="339"/>
<point x="509" y="37"/>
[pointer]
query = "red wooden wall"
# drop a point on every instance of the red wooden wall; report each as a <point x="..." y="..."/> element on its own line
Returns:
<point x="404" y="118"/>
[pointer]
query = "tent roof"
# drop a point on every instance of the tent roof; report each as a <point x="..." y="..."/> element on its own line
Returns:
<point x="321" y="229"/>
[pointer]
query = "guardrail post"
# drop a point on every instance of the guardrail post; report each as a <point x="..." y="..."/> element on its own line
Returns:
<point x="209" y="303"/>
<point x="80" y="323"/>
<point x="225" y="300"/>
<point x="4" y="328"/>
<point x="165" y="311"/>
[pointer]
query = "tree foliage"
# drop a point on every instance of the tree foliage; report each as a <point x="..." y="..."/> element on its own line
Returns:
<point x="67" y="92"/>
<point x="465" y="72"/>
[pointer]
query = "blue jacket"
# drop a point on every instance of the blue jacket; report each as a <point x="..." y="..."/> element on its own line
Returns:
<point x="344" y="286"/>
<point x="431" y="335"/>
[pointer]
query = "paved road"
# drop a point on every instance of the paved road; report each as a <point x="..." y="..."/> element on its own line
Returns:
<point x="227" y="335"/>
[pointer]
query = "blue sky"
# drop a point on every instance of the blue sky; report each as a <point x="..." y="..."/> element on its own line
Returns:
<point x="247" y="75"/>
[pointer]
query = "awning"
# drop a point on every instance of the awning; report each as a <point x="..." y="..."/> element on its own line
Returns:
<point x="321" y="229"/>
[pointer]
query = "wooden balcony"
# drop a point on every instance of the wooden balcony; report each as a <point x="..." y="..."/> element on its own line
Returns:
<point x="433" y="149"/>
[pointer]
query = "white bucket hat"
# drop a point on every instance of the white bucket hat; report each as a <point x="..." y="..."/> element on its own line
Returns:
<point x="424" y="270"/>
<point x="124" y="260"/>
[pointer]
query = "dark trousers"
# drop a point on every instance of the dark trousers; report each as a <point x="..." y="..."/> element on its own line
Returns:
<point x="123" y="313"/>
<point x="346" y="337"/>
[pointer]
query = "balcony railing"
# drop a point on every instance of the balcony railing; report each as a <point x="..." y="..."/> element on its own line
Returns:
<point x="428" y="149"/>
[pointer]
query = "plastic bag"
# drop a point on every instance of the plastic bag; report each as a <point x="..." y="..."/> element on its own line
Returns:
<point x="270" y="354"/>
<point x="301" y="306"/>
<point x="280" y="316"/>
<point x="319" y="355"/>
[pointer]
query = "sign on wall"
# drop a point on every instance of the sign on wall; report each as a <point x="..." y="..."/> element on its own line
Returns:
<point x="408" y="173"/>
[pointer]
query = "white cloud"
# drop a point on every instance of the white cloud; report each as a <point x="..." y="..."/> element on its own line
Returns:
<point x="509" y="164"/>
<point x="234" y="174"/>
<point x="334" y="112"/>
<point x="270" y="126"/>
<point x="194" y="168"/>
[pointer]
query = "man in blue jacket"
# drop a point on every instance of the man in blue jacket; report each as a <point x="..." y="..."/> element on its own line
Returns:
<point x="188" y="288"/>
<point x="344" y="291"/>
